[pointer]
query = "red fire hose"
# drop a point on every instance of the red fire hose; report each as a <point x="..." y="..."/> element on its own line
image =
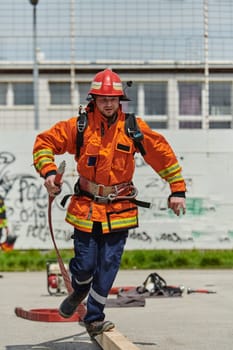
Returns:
<point x="52" y="315"/>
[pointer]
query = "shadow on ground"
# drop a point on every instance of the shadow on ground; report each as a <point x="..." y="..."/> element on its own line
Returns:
<point x="80" y="341"/>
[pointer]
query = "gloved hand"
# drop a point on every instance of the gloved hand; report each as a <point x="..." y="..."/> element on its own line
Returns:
<point x="53" y="188"/>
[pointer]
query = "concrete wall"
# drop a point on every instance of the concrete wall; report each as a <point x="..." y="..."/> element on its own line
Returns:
<point x="207" y="161"/>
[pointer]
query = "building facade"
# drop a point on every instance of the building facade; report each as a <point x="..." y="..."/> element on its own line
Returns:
<point x="167" y="95"/>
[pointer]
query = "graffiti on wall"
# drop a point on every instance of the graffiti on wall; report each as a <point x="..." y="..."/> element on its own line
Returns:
<point x="203" y="226"/>
<point x="27" y="205"/>
<point x="206" y="225"/>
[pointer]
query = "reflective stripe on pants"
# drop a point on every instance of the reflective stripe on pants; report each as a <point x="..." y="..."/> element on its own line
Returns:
<point x="95" y="266"/>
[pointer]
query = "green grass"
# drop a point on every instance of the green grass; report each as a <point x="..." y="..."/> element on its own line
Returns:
<point x="35" y="260"/>
<point x="191" y="259"/>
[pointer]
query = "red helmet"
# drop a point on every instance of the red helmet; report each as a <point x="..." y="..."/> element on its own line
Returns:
<point x="106" y="83"/>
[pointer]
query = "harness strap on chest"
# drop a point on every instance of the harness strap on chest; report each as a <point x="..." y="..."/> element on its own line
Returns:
<point x="81" y="126"/>
<point x="131" y="129"/>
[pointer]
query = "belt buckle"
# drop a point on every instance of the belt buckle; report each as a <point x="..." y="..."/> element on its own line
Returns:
<point x="101" y="199"/>
<point x="100" y="190"/>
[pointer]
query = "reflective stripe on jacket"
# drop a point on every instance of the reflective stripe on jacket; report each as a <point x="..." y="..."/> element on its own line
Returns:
<point x="3" y="218"/>
<point x="107" y="158"/>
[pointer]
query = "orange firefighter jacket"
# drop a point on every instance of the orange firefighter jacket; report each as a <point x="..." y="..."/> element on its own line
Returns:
<point x="107" y="158"/>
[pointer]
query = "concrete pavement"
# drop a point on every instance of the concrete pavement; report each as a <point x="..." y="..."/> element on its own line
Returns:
<point x="191" y="322"/>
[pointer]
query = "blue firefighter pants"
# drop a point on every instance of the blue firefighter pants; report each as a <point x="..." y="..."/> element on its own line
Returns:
<point x="95" y="266"/>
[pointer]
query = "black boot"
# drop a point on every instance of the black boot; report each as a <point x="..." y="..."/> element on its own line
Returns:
<point x="98" y="327"/>
<point x="70" y="304"/>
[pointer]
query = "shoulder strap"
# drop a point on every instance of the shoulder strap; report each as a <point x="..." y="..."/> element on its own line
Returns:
<point x="133" y="131"/>
<point x="82" y="121"/>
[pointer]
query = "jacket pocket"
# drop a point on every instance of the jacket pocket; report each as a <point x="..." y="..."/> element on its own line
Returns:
<point x="123" y="156"/>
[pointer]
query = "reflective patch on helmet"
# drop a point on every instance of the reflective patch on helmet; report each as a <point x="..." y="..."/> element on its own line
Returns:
<point x="117" y="86"/>
<point x="96" y="85"/>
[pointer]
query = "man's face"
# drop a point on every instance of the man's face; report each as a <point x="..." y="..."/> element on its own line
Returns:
<point x="107" y="105"/>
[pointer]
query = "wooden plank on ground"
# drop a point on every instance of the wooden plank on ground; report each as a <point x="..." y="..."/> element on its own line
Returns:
<point x="114" y="340"/>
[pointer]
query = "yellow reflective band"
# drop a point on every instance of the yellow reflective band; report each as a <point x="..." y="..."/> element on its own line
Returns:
<point x="3" y="223"/>
<point x="117" y="86"/>
<point x="165" y="172"/>
<point x="42" y="163"/>
<point x="80" y="223"/>
<point x="86" y="225"/>
<point x="96" y="85"/>
<point x="44" y="152"/>
<point x="175" y="178"/>
<point x="122" y="223"/>
<point x="2" y="209"/>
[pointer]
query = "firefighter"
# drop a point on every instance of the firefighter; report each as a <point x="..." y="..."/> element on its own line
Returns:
<point x="3" y="218"/>
<point x="104" y="205"/>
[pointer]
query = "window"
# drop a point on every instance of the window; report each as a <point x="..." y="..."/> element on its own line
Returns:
<point x="60" y="93"/>
<point x="190" y="124"/>
<point x="23" y="94"/>
<point x="220" y="105"/>
<point x="190" y="105"/>
<point x="83" y="89"/>
<point x="155" y="98"/>
<point x="3" y="92"/>
<point x="149" y="100"/>
<point x="220" y="125"/>
<point x="220" y="98"/>
<point x="190" y="99"/>
<point x="132" y="93"/>
<point x="157" y="124"/>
